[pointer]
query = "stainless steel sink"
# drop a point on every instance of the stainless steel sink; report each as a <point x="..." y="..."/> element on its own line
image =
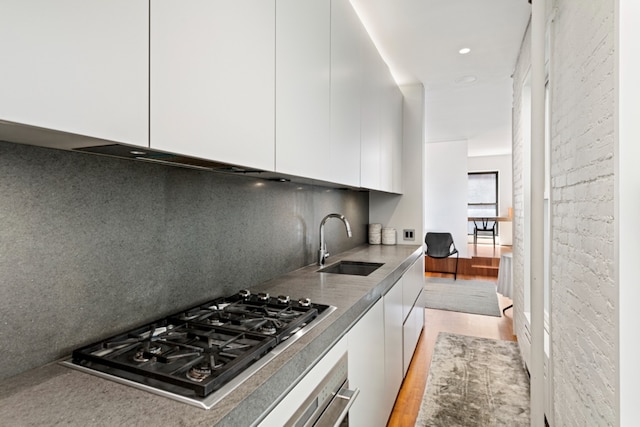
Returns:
<point x="354" y="268"/>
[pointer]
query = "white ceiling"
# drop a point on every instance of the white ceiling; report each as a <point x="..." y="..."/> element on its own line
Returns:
<point x="420" y="40"/>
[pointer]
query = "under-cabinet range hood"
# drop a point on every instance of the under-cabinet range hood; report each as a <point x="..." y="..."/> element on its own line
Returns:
<point x="49" y="138"/>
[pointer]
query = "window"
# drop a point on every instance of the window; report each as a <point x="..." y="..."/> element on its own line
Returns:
<point x="483" y="195"/>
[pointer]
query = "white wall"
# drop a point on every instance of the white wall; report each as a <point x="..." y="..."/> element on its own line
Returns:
<point x="406" y="211"/>
<point x="446" y="190"/>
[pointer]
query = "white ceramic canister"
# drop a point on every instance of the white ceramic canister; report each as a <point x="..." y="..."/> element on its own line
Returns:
<point x="388" y="236"/>
<point x="375" y="234"/>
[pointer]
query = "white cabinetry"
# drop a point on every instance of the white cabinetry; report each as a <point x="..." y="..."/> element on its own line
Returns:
<point x="381" y="158"/>
<point x="338" y="109"/>
<point x="347" y="36"/>
<point x="393" y="347"/>
<point x="390" y="145"/>
<point x="381" y="346"/>
<point x="212" y="78"/>
<point x="372" y="79"/>
<point x="413" y="310"/>
<point x="303" y="56"/>
<point x="396" y="135"/>
<point x="277" y="85"/>
<point x="366" y="368"/>
<point x="76" y="66"/>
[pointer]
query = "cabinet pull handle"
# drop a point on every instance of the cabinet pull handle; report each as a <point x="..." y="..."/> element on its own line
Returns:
<point x="338" y="408"/>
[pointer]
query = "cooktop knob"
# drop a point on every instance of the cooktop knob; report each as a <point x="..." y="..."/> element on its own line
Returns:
<point x="244" y="294"/>
<point x="263" y="296"/>
<point x="284" y="299"/>
<point x="304" y="302"/>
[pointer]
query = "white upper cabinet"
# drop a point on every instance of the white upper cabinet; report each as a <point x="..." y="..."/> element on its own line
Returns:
<point x="381" y="124"/>
<point x="347" y="36"/>
<point x="303" y="55"/>
<point x="372" y="83"/>
<point x="397" y="113"/>
<point x="290" y="86"/>
<point x="78" y="66"/>
<point x="212" y="80"/>
<point x="391" y="137"/>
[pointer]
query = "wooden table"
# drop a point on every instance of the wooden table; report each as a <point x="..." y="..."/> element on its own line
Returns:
<point x="489" y="218"/>
<point x="485" y="220"/>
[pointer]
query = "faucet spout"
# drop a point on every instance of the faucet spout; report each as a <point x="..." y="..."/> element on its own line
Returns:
<point x="322" y="253"/>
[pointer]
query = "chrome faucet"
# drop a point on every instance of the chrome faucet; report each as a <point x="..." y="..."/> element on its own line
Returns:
<point x="322" y="253"/>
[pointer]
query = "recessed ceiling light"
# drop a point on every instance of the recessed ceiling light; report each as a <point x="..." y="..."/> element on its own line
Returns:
<point x="465" y="79"/>
<point x="464" y="51"/>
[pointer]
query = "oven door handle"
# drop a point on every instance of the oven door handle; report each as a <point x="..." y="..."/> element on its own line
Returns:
<point x="338" y="409"/>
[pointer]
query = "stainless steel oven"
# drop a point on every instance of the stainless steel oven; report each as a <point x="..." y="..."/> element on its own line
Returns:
<point x="329" y="403"/>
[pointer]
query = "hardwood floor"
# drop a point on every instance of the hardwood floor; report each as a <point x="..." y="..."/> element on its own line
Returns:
<point x="408" y="401"/>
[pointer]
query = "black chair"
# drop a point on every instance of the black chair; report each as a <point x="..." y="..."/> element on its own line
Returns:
<point x="485" y="226"/>
<point x="439" y="246"/>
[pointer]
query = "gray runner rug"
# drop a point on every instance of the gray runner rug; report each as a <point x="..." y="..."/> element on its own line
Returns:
<point x="466" y="296"/>
<point x="475" y="382"/>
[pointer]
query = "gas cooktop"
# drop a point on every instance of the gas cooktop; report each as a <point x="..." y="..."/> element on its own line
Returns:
<point x="199" y="355"/>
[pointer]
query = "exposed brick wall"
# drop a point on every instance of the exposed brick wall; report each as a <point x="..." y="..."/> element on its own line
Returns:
<point x="582" y="169"/>
<point x="519" y="135"/>
<point x="583" y="294"/>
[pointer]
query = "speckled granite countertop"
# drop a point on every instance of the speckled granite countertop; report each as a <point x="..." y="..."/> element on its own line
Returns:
<point x="57" y="395"/>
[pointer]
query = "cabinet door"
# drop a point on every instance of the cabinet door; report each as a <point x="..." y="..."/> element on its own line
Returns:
<point x="411" y="334"/>
<point x="413" y="284"/>
<point x="303" y="88"/>
<point x="387" y="136"/>
<point x="347" y="34"/>
<point x="366" y="368"/>
<point x="372" y="79"/>
<point x="77" y="66"/>
<point x="393" y="345"/>
<point x="212" y="80"/>
<point x="397" y="115"/>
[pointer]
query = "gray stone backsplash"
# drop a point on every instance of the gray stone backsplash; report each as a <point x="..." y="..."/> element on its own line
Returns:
<point x="91" y="246"/>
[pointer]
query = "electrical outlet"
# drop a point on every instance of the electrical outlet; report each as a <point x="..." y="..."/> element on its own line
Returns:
<point x="409" y="234"/>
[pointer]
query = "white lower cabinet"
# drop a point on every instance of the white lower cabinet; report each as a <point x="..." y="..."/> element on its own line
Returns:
<point x="379" y="346"/>
<point x="295" y="399"/>
<point x="413" y="284"/>
<point x="411" y="330"/>
<point x="412" y="310"/>
<point x="366" y="368"/>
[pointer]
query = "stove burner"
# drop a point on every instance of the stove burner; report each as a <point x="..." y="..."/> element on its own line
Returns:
<point x="269" y="329"/>
<point x="199" y="372"/>
<point x="203" y="370"/>
<point x="145" y="354"/>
